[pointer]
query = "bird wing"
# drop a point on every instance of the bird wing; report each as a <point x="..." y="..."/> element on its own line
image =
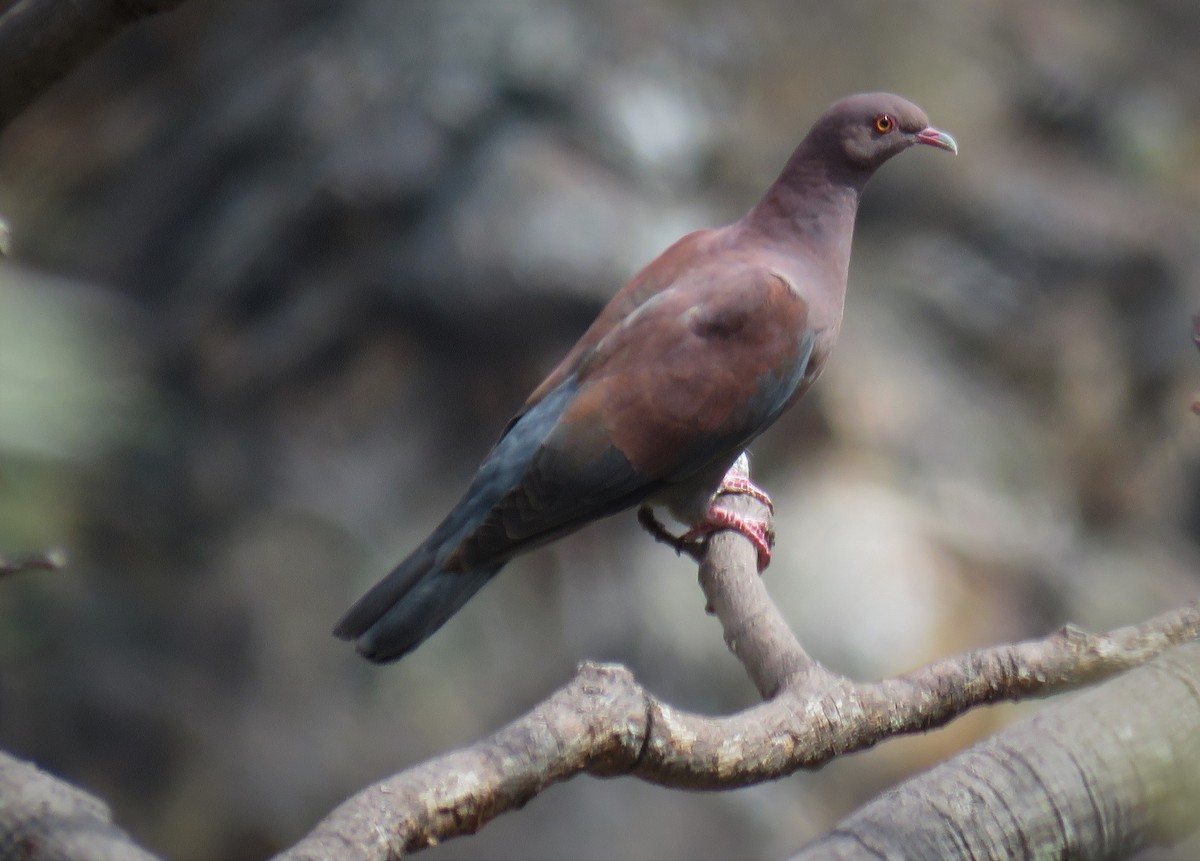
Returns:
<point x="660" y="274"/>
<point x="690" y="377"/>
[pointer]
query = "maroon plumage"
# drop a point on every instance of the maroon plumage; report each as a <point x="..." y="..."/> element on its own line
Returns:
<point x="691" y="361"/>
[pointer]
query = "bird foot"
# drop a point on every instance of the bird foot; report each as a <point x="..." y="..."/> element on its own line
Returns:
<point x="718" y="519"/>
<point x="758" y="530"/>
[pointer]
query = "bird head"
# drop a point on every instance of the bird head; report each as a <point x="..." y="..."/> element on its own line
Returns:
<point x="870" y="128"/>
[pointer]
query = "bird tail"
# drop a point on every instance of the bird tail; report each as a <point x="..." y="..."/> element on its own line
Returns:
<point x="404" y="608"/>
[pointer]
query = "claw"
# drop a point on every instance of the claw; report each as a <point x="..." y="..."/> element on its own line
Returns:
<point x="681" y="544"/>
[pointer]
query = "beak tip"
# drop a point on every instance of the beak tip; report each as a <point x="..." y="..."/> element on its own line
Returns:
<point x="938" y="138"/>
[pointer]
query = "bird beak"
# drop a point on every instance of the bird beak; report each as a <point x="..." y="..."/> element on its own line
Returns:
<point x="937" y="138"/>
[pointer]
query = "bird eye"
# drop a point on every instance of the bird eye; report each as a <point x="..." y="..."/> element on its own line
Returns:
<point x="884" y="124"/>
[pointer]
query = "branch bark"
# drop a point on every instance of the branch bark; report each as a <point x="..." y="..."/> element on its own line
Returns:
<point x="42" y="40"/>
<point x="44" y="819"/>
<point x="604" y="723"/>
<point x="1101" y="775"/>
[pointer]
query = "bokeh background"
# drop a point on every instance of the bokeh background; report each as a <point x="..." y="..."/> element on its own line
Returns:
<point x="283" y="269"/>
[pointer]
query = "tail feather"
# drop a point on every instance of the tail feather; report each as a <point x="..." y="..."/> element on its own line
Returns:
<point x="404" y="608"/>
<point x="417" y="598"/>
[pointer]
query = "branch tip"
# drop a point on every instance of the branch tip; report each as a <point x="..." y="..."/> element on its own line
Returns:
<point x="48" y="560"/>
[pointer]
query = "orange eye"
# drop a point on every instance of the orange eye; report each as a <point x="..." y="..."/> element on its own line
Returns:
<point x="884" y="124"/>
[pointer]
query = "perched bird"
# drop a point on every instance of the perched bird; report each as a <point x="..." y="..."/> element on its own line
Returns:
<point x="693" y="359"/>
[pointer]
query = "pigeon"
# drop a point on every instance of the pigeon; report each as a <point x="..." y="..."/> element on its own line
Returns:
<point x="654" y="405"/>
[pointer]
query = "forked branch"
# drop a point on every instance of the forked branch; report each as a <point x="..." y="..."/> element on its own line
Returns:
<point x="604" y="723"/>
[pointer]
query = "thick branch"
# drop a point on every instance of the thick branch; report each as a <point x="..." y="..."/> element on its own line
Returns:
<point x="1102" y="775"/>
<point x="805" y="727"/>
<point x="42" y="40"/>
<point x="596" y="723"/>
<point x="44" y="819"/>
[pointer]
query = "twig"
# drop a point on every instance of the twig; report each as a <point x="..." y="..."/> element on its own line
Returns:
<point x="50" y="560"/>
<point x="1196" y="341"/>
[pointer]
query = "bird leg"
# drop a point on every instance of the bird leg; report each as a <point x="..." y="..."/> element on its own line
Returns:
<point x="694" y="549"/>
<point x="717" y="519"/>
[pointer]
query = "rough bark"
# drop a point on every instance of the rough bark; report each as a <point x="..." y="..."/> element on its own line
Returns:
<point x="1102" y="775"/>
<point x="44" y="819"/>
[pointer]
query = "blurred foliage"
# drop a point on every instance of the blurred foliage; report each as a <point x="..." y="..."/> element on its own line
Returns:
<point x="70" y="369"/>
<point x="71" y="393"/>
<point x="308" y="256"/>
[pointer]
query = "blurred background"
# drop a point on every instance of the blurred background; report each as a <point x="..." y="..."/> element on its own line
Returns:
<point x="282" y="270"/>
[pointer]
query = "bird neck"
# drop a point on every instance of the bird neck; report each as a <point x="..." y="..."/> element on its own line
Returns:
<point x="810" y="207"/>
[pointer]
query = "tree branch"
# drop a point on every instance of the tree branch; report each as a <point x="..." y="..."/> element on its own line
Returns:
<point x="1102" y="775"/>
<point x="604" y="723"/>
<point x="42" y="40"/>
<point x="754" y="629"/>
<point x="44" y="819"/>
